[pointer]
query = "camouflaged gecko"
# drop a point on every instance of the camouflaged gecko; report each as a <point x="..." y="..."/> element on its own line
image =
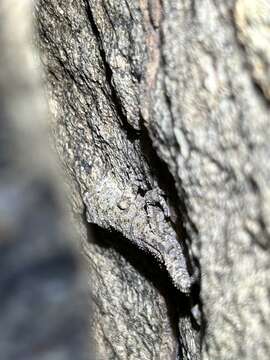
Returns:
<point x="144" y="220"/>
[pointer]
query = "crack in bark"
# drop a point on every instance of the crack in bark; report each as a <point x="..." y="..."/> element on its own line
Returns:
<point x="132" y="133"/>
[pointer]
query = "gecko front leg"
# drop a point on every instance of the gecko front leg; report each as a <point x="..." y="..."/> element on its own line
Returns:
<point x="157" y="198"/>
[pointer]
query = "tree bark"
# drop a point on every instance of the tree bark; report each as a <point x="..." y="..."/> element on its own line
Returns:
<point x="161" y="117"/>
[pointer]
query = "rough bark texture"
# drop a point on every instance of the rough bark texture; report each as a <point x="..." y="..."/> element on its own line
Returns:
<point x="161" y="117"/>
<point x="42" y="296"/>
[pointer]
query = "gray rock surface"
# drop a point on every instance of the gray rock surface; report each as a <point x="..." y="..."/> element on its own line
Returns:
<point x="161" y="118"/>
<point x="42" y="298"/>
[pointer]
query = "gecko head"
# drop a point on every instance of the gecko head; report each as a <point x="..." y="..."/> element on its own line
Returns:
<point x="182" y="282"/>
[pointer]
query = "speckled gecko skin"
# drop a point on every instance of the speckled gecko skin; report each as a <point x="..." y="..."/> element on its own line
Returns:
<point x="145" y="221"/>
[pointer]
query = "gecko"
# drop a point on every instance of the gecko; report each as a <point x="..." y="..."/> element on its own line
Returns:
<point x="144" y="219"/>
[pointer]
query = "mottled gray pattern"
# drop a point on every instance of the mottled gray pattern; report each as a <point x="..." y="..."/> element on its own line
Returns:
<point x="192" y="76"/>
